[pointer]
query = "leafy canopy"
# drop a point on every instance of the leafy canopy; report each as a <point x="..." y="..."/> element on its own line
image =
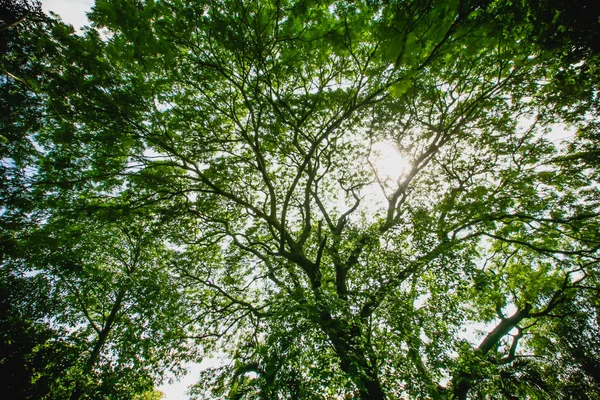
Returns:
<point x="236" y="138"/>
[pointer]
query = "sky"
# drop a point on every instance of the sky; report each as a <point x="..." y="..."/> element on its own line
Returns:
<point x="73" y="12"/>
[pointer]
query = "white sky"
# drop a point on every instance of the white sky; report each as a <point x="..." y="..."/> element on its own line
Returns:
<point x="71" y="11"/>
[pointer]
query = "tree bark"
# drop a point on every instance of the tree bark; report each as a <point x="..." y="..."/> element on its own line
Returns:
<point x="353" y="360"/>
<point x="102" y="338"/>
<point x="463" y="382"/>
<point x="373" y="391"/>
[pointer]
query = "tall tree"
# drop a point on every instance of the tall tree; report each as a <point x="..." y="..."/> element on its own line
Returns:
<point x="252" y="126"/>
<point x="113" y="300"/>
<point x="102" y="318"/>
<point x="33" y="354"/>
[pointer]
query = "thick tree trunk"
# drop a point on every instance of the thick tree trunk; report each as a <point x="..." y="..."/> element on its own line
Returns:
<point x="373" y="391"/>
<point x="462" y="385"/>
<point x="100" y="342"/>
<point x="353" y="359"/>
<point x="369" y="387"/>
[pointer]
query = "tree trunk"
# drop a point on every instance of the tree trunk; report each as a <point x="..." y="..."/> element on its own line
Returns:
<point x="353" y="360"/>
<point x="463" y="382"/>
<point x="372" y="391"/>
<point x="461" y="387"/>
<point x="102" y="337"/>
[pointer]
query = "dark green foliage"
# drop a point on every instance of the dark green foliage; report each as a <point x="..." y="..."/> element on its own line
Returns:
<point x="33" y="355"/>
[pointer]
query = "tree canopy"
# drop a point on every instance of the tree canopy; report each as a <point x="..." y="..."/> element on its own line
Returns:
<point x="188" y="178"/>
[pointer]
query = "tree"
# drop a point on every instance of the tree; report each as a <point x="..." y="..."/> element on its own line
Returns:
<point x="113" y="301"/>
<point x="33" y="355"/>
<point x="252" y="127"/>
<point x="102" y="318"/>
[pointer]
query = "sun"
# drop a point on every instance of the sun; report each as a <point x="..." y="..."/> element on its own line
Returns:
<point x="389" y="164"/>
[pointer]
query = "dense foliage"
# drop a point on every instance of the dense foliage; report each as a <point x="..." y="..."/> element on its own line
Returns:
<point x="187" y="178"/>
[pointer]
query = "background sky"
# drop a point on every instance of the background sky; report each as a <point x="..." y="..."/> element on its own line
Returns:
<point x="71" y="11"/>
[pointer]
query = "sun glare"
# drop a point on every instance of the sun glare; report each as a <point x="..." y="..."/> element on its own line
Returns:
<point x="388" y="163"/>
